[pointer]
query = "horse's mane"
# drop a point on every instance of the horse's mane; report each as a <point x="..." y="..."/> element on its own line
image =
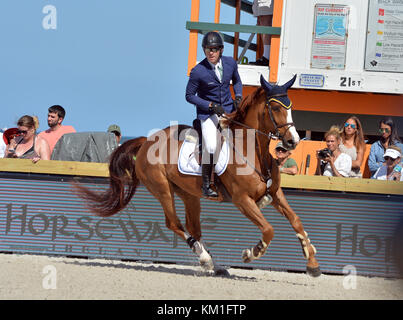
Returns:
<point x="239" y="115"/>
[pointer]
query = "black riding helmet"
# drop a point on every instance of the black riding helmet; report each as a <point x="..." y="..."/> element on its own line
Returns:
<point x="212" y="39"/>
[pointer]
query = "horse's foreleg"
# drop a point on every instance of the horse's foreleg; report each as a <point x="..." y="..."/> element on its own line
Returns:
<point x="308" y="250"/>
<point x="249" y="208"/>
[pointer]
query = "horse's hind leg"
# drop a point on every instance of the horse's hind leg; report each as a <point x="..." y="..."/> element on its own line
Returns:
<point x="192" y="208"/>
<point x="308" y="250"/>
<point x="162" y="190"/>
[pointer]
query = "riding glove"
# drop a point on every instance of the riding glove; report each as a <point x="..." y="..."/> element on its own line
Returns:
<point x="237" y="102"/>
<point x="217" y="109"/>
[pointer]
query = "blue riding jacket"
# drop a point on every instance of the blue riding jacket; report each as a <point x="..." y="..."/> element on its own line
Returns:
<point x="204" y="87"/>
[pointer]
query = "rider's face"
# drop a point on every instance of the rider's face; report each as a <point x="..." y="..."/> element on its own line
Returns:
<point x="213" y="54"/>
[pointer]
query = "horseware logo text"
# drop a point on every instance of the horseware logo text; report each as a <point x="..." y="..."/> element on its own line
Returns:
<point x="87" y="228"/>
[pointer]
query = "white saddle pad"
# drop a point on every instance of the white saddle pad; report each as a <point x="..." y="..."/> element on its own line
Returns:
<point x="187" y="163"/>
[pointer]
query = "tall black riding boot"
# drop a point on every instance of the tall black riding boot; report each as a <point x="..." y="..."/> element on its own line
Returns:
<point x="206" y="175"/>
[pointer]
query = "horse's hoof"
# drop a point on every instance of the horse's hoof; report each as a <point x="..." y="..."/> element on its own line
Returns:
<point x="221" y="272"/>
<point x="206" y="261"/>
<point x="313" y="272"/>
<point x="247" y="255"/>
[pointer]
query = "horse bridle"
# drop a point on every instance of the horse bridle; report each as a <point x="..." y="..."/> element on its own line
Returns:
<point x="276" y="126"/>
<point x="277" y="134"/>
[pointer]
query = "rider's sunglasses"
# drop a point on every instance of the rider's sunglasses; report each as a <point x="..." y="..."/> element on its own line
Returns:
<point x="22" y="131"/>
<point x="215" y="49"/>
<point x="352" y="125"/>
<point x="389" y="158"/>
<point x="382" y="130"/>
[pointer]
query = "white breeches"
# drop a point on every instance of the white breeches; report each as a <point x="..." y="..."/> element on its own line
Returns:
<point x="210" y="133"/>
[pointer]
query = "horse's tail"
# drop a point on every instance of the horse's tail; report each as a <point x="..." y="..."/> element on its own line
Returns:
<point x="122" y="182"/>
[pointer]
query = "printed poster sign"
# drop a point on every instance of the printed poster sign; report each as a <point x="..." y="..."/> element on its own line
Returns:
<point x="384" y="50"/>
<point x="329" y="41"/>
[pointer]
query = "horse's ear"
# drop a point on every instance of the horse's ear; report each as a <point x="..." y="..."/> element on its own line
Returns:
<point x="265" y="85"/>
<point x="290" y="83"/>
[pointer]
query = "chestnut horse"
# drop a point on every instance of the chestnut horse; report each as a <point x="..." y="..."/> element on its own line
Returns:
<point x="268" y="112"/>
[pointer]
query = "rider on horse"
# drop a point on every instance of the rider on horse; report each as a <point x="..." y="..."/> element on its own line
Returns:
<point x="208" y="89"/>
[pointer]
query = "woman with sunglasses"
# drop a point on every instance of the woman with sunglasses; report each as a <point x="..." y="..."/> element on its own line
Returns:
<point x="389" y="137"/>
<point x="353" y="143"/>
<point x="392" y="167"/>
<point x="27" y="145"/>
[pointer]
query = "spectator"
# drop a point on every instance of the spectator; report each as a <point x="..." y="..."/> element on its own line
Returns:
<point x="391" y="169"/>
<point x="389" y="137"/>
<point x="2" y="144"/>
<point x="27" y="145"/>
<point x="263" y="10"/>
<point x="115" y="129"/>
<point x="56" y="116"/>
<point x="9" y="134"/>
<point x="331" y="161"/>
<point x="353" y="143"/>
<point x="284" y="162"/>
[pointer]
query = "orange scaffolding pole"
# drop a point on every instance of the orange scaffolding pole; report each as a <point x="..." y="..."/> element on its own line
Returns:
<point x="194" y="16"/>
<point x="217" y="11"/>
<point x="275" y="41"/>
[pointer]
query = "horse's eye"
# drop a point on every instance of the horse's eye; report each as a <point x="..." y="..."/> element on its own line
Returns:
<point x="275" y="108"/>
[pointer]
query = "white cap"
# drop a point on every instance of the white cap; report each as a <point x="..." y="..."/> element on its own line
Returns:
<point x="394" y="154"/>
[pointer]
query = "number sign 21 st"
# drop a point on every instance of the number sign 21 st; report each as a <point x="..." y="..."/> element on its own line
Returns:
<point x="350" y="82"/>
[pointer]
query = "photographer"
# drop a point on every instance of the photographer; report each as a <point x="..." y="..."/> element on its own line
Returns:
<point x="331" y="161"/>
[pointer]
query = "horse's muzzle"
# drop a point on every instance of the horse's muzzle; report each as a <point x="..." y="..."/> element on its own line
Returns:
<point x="289" y="144"/>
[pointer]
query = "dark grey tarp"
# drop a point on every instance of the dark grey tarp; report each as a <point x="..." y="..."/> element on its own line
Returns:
<point x="85" y="147"/>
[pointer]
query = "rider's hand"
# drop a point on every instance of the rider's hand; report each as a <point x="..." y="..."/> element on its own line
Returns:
<point x="217" y="109"/>
<point x="237" y="102"/>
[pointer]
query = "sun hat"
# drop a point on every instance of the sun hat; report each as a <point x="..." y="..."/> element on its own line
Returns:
<point x="393" y="153"/>
<point x="9" y="134"/>
<point x="280" y="145"/>
<point x="114" y="127"/>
